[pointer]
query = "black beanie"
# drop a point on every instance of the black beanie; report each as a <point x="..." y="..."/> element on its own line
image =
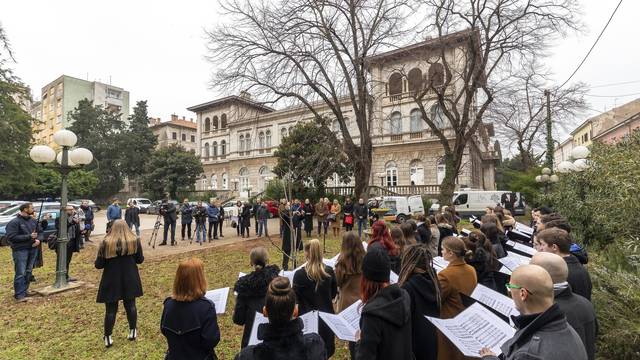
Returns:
<point x="376" y="265"/>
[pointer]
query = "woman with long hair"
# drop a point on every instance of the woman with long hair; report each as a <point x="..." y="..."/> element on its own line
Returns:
<point x="397" y="235"/>
<point x="482" y="258"/>
<point x="251" y="290"/>
<point x="494" y="235"/>
<point x="435" y="235"/>
<point x="189" y="320"/>
<point x="409" y="231"/>
<point x="282" y="336"/>
<point x="419" y="279"/>
<point x="385" y="323"/>
<point x="315" y="286"/>
<point x="381" y="237"/>
<point x="456" y="279"/>
<point x="118" y="254"/>
<point x="349" y="274"/>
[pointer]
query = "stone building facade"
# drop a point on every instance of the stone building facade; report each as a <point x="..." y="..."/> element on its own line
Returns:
<point x="176" y="131"/>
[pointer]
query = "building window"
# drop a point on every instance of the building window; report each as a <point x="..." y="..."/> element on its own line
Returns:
<point x="416" y="121"/>
<point x="268" y="139"/>
<point x="223" y="121"/>
<point x="244" y="179"/>
<point x="261" y="140"/>
<point x="437" y="116"/>
<point x="214" y="149"/>
<point x="241" y="144"/>
<point x="174" y="136"/>
<point x="223" y="147"/>
<point x="441" y="169"/>
<point x="396" y="123"/>
<point x="214" y="182"/>
<point x="414" y="78"/>
<point x="184" y="137"/>
<point x="225" y="181"/>
<point x="436" y="75"/>
<point x="283" y="133"/>
<point x="113" y="93"/>
<point x="247" y="144"/>
<point x="207" y="125"/>
<point x="214" y="123"/>
<point x="265" y="175"/>
<point x="205" y="151"/>
<point x="395" y="84"/>
<point x="391" y="170"/>
<point x="416" y="171"/>
<point x="193" y="138"/>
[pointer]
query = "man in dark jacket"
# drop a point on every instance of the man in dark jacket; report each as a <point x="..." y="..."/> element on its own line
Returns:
<point x="169" y="214"/>
<point x="132" y="216"/>
<point x="578" y="310"/>
<point x="213" y="212"/>
<point x="254" y="210"/>
<point x="73" y="236"/>
<point x="87" y="223"/>
<point x="24" y="235"/>
<point x="263" y="218"/>
<point x="361" y="213"/>
<point x="558" y="241"/>
<point x="221" y="222"/>
<point x="543" y="331"/>
<point x="186" y="218"/>
<point x="200" y="215"/>
<point x="113" y="213"/>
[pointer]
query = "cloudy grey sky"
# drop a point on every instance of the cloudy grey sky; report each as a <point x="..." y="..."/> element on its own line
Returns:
<point x="156" y="49"/>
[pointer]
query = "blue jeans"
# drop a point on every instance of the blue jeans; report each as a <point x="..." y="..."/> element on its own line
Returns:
<point x="136" y="226"/>
<point x="362" y="225"/>
<point x="201" y="228"/>
<point x="262" y="224"/>
<point x="23" y="261"/>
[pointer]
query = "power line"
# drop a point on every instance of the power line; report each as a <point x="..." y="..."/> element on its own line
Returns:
<point x="615" y="84"/>
<point x="612" y="96"/>
<point x="592" y="46"/>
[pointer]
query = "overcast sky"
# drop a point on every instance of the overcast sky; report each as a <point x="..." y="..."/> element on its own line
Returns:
<point x="156" y="50"/>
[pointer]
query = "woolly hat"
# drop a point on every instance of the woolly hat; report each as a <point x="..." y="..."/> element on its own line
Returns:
<point x="376" y="265"/>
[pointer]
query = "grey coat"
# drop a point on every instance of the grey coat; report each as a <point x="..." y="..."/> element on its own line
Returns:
<point x="581" y="316"/>
<point x="545" y="336"/>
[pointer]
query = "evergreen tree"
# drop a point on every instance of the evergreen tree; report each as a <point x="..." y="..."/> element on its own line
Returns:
<point x="171" y="169"/>
<point x="140" y="141"/>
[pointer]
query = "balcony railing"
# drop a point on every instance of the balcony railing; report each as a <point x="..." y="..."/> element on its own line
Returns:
<point x="396" y="137"/>
<point x="415" y="135"/>
<point x="402" y="190"/>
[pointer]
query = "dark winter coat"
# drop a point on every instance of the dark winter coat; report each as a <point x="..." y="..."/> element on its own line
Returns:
<point x="132" y="215"/>
<point x="19" y="231"/>
<point x="309" y="211"/>
<point x="481" y="262"/>
<point x="445" y="231"/>
<point x="245" y="216"/>
<point x="347" y="210"/>
<point x="200" y="214"/>
<point x="360" y="211"/>
<point x="284" y="342"/>
<point x="186" y="214"/>
<point x="310" y="298"/>
<point x="578" y="277"/>
<point x="385" y="326"/>
<point x="424" y="301"/>
<point x="395" y="261"/>
<point x="581" y="316"/>
<point x="88" y="214"/>
<point x="120" y="278"/>
<point x="73" y="233"/>
<point x="251" y="290"/>
<point x="545" y="336"/>
<point x="191" y="329"/>
<point x="423" y="233"/>
<point x="170" y="213"/>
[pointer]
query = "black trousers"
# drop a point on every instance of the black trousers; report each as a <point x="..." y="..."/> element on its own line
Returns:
<point x="220" y="223"/>
<point x="186" y="227"/>
<point x="213" y="226"/>
<point x="168" y="224"/>
<point x="112" y="311"/>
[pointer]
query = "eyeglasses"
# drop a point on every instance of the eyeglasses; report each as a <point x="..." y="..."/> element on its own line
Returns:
<point x="512" y="286"/>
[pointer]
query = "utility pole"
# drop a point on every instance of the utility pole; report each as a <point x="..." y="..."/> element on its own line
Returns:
<point x="550" y="149"/>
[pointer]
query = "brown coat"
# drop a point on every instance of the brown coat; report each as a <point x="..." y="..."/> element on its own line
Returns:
<point x="336" y="209"/>
<point x="348" y="290"/>
<point x="321" y="211"/>
<point x="456" y="278"/>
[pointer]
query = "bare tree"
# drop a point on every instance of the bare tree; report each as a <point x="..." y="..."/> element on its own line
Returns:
<point x="310" y="52"/>
<point x="519" y="111"/>
<point x="502" y="34"/>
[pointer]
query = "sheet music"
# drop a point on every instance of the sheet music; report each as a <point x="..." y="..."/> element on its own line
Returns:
<point x="493" y="299"/>
<point x="393" y="277"/>
<point x="439" y="263"/>
<point x="331" y="262"/>
<point x="309" y="321"/>
<point x="465" y="232"/>
<point x="219" y="298"/>
<point x="352" y="314"/>
<point x="513" y="260"/>
<point x="524" y="228"/>
<point x="524" y="248"/>
<point x="241" y="274"/>
<point x="504" y="270"/>
<point x="475" y="328"/>
<point x="259" y="319"/>
<point x="345" y="324"/>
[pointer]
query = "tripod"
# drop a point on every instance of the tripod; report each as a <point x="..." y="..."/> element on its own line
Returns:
<point x="156" y="229"/>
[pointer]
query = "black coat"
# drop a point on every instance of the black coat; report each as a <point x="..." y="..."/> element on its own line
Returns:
<point x="423" y="233"/>
<point x="245" y="216"/>
<point x="445" y="230"/>
<point x="200" y="214"/>
<point x="120" y="278"/>
<point x="581" y="316"/>
<point x="251" y="290"/>
<point x="73" y="234"/>
<point x="578" y="278"/>
<point x="347" y="209"/>
<point x="170" y="214"/>
<point x="395" y="261"/>
<point x="310" y="298"/>
<point x="132" y="215"/>
<point x="285" y="342"/>
<point x="191" y="329"/>
<point x="186" y="214"/>
<point x="424" y="301"/>
<point x="19" y="230"/>
<point x="385" y="326"/>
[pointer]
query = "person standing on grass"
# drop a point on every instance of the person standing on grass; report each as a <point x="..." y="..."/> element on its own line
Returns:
<point x="285" y="217"/>
<point x="263" y="218"/>
<point x="361" y="213"/>
<point x="169" y="213"/>
<point x="245" y="219"/>
<point x="347" y="210"/>
<point x="308" y="217"/>
<point x="189" y="320"/>
<point x="254" y="210"/>
<point x="214" y="216"/>
<point x="113" y="213"/>
<point x="186" y="218"/>
<point x="221" y="221"/>
<point x="336" y="223"/>
<point x="200" y="215"/>
<point x="132" y="216"/>
<point x="321" y="214"/>
<point x="119" y="255"/>
<point x="87" y="224"/>
<point x="24" y="235"/>
<point x="251" y="290"/>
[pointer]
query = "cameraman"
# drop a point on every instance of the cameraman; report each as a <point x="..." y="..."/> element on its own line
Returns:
<point x="200" y="215"/>
<point x="168" y="212"/>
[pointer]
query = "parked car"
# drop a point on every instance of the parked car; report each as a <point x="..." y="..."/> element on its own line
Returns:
<point x="142" y="203"/>
<point x="10" y="213"/>
<point x="400" y="208"/>
<point x="154" y="208"/>
<point x="77" y="203"/>
<point x="9" y="203"/>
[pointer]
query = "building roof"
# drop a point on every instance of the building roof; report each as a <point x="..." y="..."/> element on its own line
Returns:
<point x="179" y="123"/>
<point x="229" y="99"/>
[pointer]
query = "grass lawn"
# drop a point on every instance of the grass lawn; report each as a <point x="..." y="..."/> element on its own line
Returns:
<point x="70" y="325"/>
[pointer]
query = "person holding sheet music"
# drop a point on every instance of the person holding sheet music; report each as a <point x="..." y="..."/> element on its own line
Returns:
<point x="482" y="258"/>
<point x="189" y="320"/>
<point x="457" y="278"/>
<point x="578" y="310"/>
<point x="251" y="290"/>
<point x="419" y="279"/>
<point x="348" y="271"/>
<point x="282" y="336"/>
<point x="558" y="221"/>
<point x="381" y="238"/>
<point x="385" y="322"/>
<point x="542" y="329"/>
<point x="315" y="287"/>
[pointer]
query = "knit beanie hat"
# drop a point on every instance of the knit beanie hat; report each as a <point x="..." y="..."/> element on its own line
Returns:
<point x="376" y="265"/>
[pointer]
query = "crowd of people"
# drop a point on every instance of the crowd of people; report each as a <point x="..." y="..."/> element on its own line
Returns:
<point x="552" y="293"/>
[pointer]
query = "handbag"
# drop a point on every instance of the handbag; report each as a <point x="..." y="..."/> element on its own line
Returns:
<point x="348" y="219"/>
<point x="331" y="217"/>
<point x="52" y="242"/>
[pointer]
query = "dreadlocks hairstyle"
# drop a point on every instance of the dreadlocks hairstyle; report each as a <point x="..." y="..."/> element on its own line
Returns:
<point x="417" y="259"/>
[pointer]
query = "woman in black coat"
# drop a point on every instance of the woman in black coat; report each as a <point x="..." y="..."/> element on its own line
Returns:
<point x="445" y="229"/>
<point x="347" y="219"/>
<point x="420" y="281"/>
<point x="309" y="211"/>
<point x="251" y="290"/>
<point x="189" y="320"/>
<point x="483" y="259"/>
<point x="245" y="220"/>
<point x="118" y="255"/>
<point x="316" y="287"/>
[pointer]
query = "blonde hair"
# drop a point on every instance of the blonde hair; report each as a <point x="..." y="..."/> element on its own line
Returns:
<point x="315" y="266"/>
<point x="120" y="241"/>
<point x="190" y="283"/>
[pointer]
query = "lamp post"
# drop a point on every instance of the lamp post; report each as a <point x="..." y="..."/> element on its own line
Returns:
<point x="547" y="178"/>
<point x="67" y="159"/>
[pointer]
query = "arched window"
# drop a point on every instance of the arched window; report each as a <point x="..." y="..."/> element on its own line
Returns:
<point x="396" y="123"/>
<point x="283" y="133"/>
<point x="395" y="84"/>
<point x="223" y="121"/>
<point x="416" y="170"/>
<point x="391" y="170"/>
<point x="215" y="123"/>
<point x="225" y="181"/>
<point x="437" y="116"/>
<point x="244" y="179"/>
<point x="414" y="78"/>
<point x="247" y="144"/>
<point x="241" y="143"/>
<point x="205" y="151"/>
<point x="204" y="182"/>
<point x="214" y="149"/>
<point x="268" y="139"/>
<point x="223" y="147"/>
<point x="207" y="125"/>
<point x="261" y="140"/>
<point x="436" y="75"/>
<point x="441" y="169"/>
<point x="214" y="182"/>
<point x="264" y="176"/>
<point x="416" y="121"/>
<point x="335" y="126"/>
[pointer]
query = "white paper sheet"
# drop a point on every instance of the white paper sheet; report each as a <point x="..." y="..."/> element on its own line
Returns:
<point x="365" y="245"/>
<point x="219" y="298"/>
<point x="475" y="328"/>
<point x="309" y="321"/>
<point x="345" y="324"/>
<point x="523" y="248"/>
<point x="393" y="277"/>
<point x="493" y="299"/>
<point x="524" y="228"/>
<point x="241" y="274"/>
<point x="331" y="262"/>
<point x="513" y="260"/>
<point x="504" y="270"/>
<point x="439" y="263"/>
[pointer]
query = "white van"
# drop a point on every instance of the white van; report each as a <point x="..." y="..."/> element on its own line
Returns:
<point x="474" y="202"/>
<point x="400" y="208"/>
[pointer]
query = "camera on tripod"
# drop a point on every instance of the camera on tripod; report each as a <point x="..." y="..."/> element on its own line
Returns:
<point x="163" y="208"/>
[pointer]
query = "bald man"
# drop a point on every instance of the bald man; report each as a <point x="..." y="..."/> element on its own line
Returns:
<point x="543" y="332"/>
<point x="578" y="310"/>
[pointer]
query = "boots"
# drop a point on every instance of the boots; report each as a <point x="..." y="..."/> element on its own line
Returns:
<point x="108" y="342"/>
<point x="133" y="334"/>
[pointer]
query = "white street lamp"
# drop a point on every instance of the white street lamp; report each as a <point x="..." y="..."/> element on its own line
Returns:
<point x="546" y="171"/>
<point x="539" y="178"/>
<point x="554" y="178"/>
<point x="580" y="165"/>
<point x="42" y="154"/>
<point x="580" y="152"/>
<point x="565" y="167"/>
<point x="81" y="156"/>
<point x="65" y="138"/>
<point x="59" y="160"/>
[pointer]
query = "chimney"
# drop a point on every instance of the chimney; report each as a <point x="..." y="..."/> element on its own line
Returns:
<point x="245" y="95"/>
<point x="174" y="117"/>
